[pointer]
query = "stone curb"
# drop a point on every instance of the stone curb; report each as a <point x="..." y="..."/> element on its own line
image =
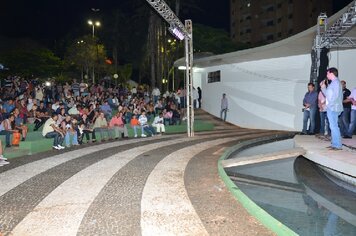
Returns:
<point x="261" y="215"/>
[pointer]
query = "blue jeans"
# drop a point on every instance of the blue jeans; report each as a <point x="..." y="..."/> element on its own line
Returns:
<point x="57" y="138"/>
<point x="311" y="116"/>
<point x="135" y="129"/>
<point x="352" y="124"/>
<point x="74" y="139"/>
<point x="345" y="121"/>
<point x="7" y="136"/>
<point x="324" y="123"/>
<point x="149" y="130"/>
<point x="335" y="130"/>
<point x="223" y="111"/>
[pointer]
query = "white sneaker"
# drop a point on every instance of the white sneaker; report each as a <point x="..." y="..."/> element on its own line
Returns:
<point x="60" y="146"/>
<point x="2" y="162"/>
<point x="56" y="147"/>
<point x="135" y="135"/>
<point x="143" y="135"/>
<point x="3" y="158"/>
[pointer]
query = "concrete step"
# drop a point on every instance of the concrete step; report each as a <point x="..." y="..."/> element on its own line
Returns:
<point x="241" y="161"/>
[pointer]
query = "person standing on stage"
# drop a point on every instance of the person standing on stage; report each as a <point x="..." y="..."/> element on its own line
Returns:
<point x="334" y="107"/>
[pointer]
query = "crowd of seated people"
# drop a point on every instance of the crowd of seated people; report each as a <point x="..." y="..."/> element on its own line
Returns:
<point x="73" y="114"/>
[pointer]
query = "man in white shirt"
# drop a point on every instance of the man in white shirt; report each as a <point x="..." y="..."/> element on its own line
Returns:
<point x="51" y="130"/>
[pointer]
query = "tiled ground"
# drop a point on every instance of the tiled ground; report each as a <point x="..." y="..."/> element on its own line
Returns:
<point x="164" y="185"/>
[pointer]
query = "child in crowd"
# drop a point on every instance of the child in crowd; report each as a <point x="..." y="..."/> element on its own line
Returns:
<point x="134" y="124"/>
<point x="145" y="126"/>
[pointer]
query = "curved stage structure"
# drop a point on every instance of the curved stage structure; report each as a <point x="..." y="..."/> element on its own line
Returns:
<point x="265" y="85"/>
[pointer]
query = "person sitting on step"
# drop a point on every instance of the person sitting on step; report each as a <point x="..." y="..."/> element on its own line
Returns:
<point x="134" y="124"/>
<point x="101" y="126"/>
<point x="85" y="127"/>
<point x="158" y="123"/>
<point x="41" y="116"/>
<point x="69" y="130"/>
<point x="118" y="125"/>
<point x="6" y="129"/>
<point x="145" y="126"/>
<point x="51" y="130"/>
<point x="18" y="124"/>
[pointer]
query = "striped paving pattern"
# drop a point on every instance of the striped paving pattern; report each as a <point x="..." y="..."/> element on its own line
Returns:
<point x="165" y="185"/>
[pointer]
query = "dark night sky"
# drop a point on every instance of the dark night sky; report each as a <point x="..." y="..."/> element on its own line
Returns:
<point x="47" y="20"/>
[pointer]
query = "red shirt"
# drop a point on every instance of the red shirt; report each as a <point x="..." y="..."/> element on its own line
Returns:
<point x="116" y="121"/>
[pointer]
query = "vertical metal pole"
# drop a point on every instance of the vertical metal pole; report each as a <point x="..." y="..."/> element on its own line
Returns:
<point x="93" y="75"/>
<point x="189" y="78"/>
<point x="173" y="80"/>
<point x="186" y="105"/>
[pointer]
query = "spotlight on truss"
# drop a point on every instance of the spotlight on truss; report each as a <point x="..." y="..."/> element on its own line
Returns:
<point x="176" y="32"/>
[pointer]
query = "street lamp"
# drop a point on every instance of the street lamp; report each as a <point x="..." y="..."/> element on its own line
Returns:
<point x="93" y="24"/>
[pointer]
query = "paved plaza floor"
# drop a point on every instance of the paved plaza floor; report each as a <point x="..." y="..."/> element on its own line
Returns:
<point x="166" y="185"/>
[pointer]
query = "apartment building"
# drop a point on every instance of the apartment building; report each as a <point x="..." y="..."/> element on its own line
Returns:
<point x="258" y="22"/>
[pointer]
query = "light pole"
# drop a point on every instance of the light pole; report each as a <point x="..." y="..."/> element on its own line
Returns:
<point x="93" y="24"/>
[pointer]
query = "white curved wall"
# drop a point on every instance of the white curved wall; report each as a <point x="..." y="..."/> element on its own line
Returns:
<point x="267" y="94"/>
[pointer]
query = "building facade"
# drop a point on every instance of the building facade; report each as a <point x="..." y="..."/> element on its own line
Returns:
<point x="266" y="21"/>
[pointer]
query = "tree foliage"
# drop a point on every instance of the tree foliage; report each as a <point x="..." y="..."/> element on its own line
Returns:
<point x="27" y="58"/>
<point x="217" y="41"/>
<point x="85" y="53"/>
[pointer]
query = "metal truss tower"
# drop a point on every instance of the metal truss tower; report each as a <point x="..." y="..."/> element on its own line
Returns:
<point x="332" y="37"/>
<point x="178" y="29"/>
<point x="189" y="77"/>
